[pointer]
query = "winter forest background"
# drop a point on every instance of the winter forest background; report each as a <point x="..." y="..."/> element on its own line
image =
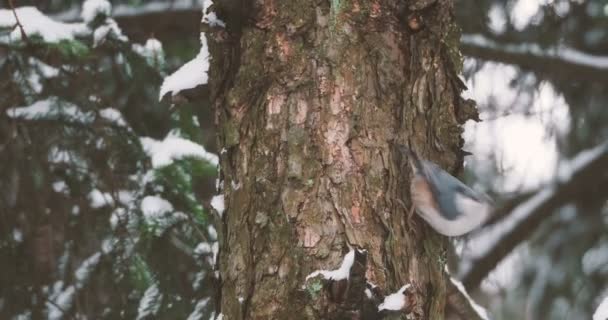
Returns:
<point x="108" y="159"/>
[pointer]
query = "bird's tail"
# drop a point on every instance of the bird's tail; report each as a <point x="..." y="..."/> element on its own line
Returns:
<point x="412" y="157"/>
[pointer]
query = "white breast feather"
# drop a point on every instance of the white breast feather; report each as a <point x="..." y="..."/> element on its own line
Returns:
<point x="474" y="215"/>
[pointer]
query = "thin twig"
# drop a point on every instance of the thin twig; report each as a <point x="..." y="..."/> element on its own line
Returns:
<point x="23" y="34"/>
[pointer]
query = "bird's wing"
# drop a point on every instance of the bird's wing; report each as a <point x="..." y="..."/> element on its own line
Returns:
<point x="450" y="192"/>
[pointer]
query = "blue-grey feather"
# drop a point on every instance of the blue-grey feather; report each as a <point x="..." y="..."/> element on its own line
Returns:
<point x="445" y="188"/>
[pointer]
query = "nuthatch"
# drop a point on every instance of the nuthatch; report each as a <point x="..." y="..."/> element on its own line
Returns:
<point x="447" y="204"/>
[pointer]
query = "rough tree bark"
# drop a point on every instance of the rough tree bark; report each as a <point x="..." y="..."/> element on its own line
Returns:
<point x="310" y="98"/>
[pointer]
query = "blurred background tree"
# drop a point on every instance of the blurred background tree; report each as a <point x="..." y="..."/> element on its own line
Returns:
<point x="103" y="186"/>
<point x="102" y="217"/>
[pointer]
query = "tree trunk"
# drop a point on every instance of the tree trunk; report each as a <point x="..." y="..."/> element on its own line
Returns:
<point x="310" y="98"/>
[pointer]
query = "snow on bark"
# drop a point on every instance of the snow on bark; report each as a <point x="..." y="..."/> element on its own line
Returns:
<point x="394" y="302"/>
<point x="35" y="22"/>
<point x="172" y="148"/>
<point x="341" y="273"/>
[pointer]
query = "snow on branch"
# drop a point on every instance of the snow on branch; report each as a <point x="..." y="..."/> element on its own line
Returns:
<point x="601" y="313"/>
<point x="127" y="10"/>
<point x="198" y="312"/>
<point x="51" y="108"/>
<point x="194" y="72"/>
<point x="190" y="75"/>
<point x="559" y="60"/>
<point x="575" y="177"/>
<point x="35" y="22"/>
<point x="172" y="148"/>
<point x="61" y="300"/>
<point x="92" y="8"/>
<point x="150" y="303"/>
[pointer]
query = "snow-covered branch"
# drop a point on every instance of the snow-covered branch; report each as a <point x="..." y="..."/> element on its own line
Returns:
<point x="461" y="303"/>
<point x="561" y="61"/>
<point x="124" y="10"/>
<point x="587" y="171"/>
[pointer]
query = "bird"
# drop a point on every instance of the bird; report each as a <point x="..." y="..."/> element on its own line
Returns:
<point x="448" y="205"/>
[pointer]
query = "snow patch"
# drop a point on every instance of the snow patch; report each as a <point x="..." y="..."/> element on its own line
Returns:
<point x="217" y="203"/>
<point x="212" y="232"/>
<point x="152" y="51"/>
<point x="215" y="249"/>
<point x="154" y="207"/>
<point x="108" y="29"/>
<point x="93" y="8"/>
<point x="395" y="301"/>
<point x="118" y="216"/>
<point x="202" y="248"/>
<point x="62" y="303"/>
<point x="17" y="235"/>
<point x="198" y="280"/>
<point x="113" y="116"/>
<point x="190" y="75"/>
<point x="172" y="148"/>
<point x="595" y="260"/>
<point x="211" y="18"/>
<point x="60" y="186"/>
<point x="100" y="199"/>
<point x="601" y="313"/>
<point x="341" y="273"/>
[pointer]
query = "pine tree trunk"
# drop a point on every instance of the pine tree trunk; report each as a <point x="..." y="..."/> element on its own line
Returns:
<point x="310" y="99"/>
